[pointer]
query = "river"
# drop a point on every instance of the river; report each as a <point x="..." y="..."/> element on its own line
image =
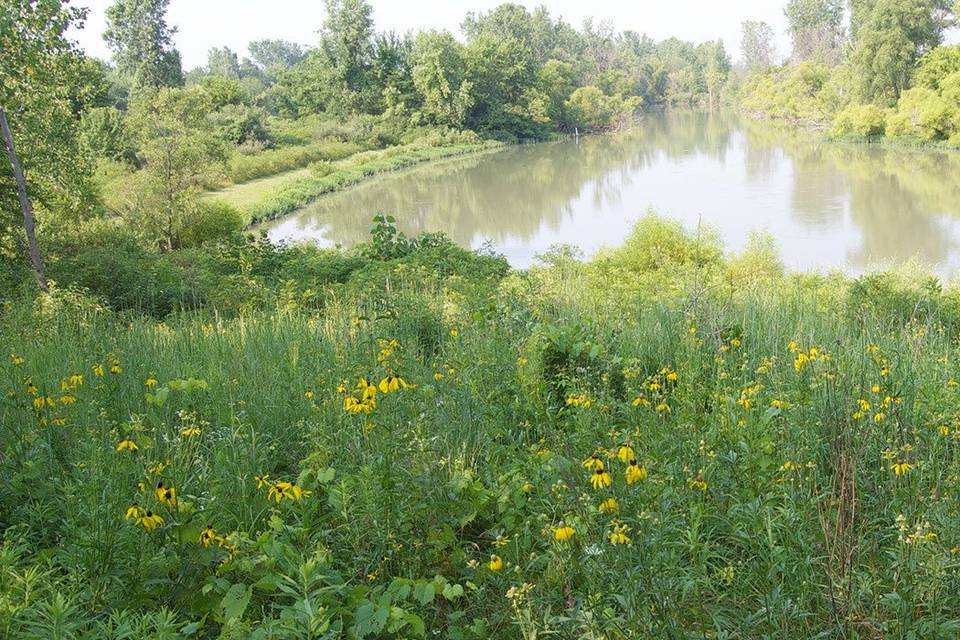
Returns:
<point x="827" y="205"/>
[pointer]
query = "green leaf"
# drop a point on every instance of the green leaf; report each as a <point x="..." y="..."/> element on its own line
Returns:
<point x="235" y="602"/>
<point x="452" y="591"/>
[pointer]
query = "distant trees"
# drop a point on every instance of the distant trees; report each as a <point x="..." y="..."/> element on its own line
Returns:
<point x="817" y="29"/>
<point x="142" y="43"/>
<point x="439" y="76"/>
<point x="757" y="46"/>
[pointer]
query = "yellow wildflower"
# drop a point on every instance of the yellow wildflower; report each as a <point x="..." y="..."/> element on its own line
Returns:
<point x="127" y="445"/>
<point x="496" y="563"/>
<point x="635" y="472"/>
<point x="600" y="479"/>
<point x="609" y="506"/>
<point x="618" y="534"/>
<point x="625" y="452"/>
<point x="563" y="533"/>
<point x="901" y="468"/>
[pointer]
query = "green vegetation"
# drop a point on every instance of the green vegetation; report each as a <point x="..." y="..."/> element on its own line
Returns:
<point x="220" y="472"/>
<point x="896" y="83"/>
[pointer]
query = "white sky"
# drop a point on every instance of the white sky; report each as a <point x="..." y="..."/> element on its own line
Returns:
<point x="203" y="24"/>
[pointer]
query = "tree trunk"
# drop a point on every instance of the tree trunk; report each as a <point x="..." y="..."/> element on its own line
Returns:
<point x="29" y="223"/>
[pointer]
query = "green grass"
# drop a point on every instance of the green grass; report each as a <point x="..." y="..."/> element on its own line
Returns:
<point x="248" y="194"/>
<point x="771" y="505"/>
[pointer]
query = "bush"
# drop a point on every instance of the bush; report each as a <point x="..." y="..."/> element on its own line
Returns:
<point x="241" y="124"/>
<point x="859" y="121"/>
<point x="242" y="168"/>
<point x="922" y="113"/>
<point x="211" y="220"/>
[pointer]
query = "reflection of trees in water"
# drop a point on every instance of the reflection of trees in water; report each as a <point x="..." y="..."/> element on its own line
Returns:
<point x="897" y="197"/>
<point x="516" y="191"/>
<point x="894" y="196"/>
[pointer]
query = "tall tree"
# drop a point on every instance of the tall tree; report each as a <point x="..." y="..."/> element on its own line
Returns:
<point x="142" y="43"/>
<point x="276" y="53"/>
<point x="439" y="75"/>
<point x="890" y="40"/>
<point x="757" y="45"/>
<point x="39" y="78"/>
<point x="346" y="47"/>
<point x="816" y="29"/>
<point x="224" y="63"/>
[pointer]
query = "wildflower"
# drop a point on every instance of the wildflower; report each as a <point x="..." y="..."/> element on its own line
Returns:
<point x="496" y="563"/>
<point x="618" y="534"/>
<point x="625" y="452"/>
<point x="563" y="533"/>
<point x="609" y="506"/>
<point x="521" y="361"/>
<point x="580" y="400"/>
<point x="793" y="347"/>
<point x="901" y="468"/>
<point x="166" y="495"/>
<point x="600" y="479"/>
<point x="68" y="399"/>
<point x="282" y="489"/>
<point x="150" y="383"/>
<point x="135" y="513"/>
<point x="262" y="481"/>
<point x="157" y="468"/>
<point x="15" y="359"/>
<point x="698" y="483"/>
<point x="368" y="390"/>
<point x="593" y="462"/>
<point x="76" y="380"/>
<point x="789" y="465"/>
<point x="150" y="521"/>
<point x="209" y="537"/>
<point x="635" y="472"/>
<point x="801" y="361"/>
<point x="352" y="404"/>
<point x="308" y="394"/>
<point x="190" y="432"/>
<point x="115" y="366"/>
<point x="663" y="407"/>
<point x="392" y="383"/>
<point x="98" y="370"/>
<point x="454" y="333"/>
<point x="777" y="404"/>
<point x="127" y="445"/>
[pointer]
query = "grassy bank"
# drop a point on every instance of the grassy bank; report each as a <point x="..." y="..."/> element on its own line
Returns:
<point x="274" y="197"/>
<point x="776" y="456"/>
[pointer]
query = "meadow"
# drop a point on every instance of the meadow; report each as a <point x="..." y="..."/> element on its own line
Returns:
<point x="664" y="441"/>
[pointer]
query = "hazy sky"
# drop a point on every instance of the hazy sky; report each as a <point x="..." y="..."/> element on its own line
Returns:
<point x="202" y="24"/>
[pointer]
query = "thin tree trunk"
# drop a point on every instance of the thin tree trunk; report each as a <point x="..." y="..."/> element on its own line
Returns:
<point x="29" y="223"/>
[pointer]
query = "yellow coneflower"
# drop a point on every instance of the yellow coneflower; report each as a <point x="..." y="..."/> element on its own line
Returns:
<point x="76" y="380"/>
<point x="150" y="383"/>
<point x="308" y="394"/>
<point x="625" y="452"/>
<point x="263" y="481"/>
<point x="150" y="521"/>
<point x="135" y="513"/>
<point x="209" y="537"/>
<point x="115" y="366"/>
<point x="600" y="479"/>
<point x="127" y="445"/>
<point x="98" y="370"/>
<point x="698" y="483"/>
<point x="901" y="468"/>
<point x="496" y="563"/>
<point x="609" y="506"/>
<point x="454" y="333"/>
<point x="166" y="495"/>
<point x="635" y="472"/>
<point x="593" y="462"/>
<point x="392" y="383"/>
<point x="15" y="359"/>
<point x="563" y="533"/>
<point x="618" y="534"/>
<point x="282" y="489"/>
<point x="190" y="432"/>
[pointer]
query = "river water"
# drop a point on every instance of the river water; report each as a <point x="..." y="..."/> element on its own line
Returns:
<point x="827" y="205"/>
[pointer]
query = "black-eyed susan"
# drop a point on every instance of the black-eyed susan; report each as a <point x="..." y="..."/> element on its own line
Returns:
<point x="127" y="445"/>
<point x="635" y="472"/>
<point x="618" y="533"/>
<point x="115" y="367"/>
<point x="166" y="495"/>
<point x="496" y="563"/>
<point x="98" y="370"/>
<point x="901" y="467"/>
<point x="135" y="513"/>
<point x="593" y="462"/>
<point x="392" y="383"/>
<point x="609" y="506"/>
<point x="600" y="479"/>
<point x="150" y="521"/>
<point x="625" y="452"/>
<point x="283" y="490"/>
<point x="209" y="537"/>
<point x="263" y="481"/>
<point x="563" y="532"/>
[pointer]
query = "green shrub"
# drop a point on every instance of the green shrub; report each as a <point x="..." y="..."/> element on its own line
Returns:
<point x="242" y="168"/>
<point x="922" y="113"/>
<point x="211" y="220"/>
<point x="859" y="121"/>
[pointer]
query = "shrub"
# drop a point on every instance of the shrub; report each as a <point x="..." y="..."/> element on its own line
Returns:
<point x="922" y="113"/>
<point x="859" y="121"/>
<point x="242" y="168"/>
<point x="211" y="220"/>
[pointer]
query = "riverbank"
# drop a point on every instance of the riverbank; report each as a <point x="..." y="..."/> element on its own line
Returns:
<point x="272" y="197"/>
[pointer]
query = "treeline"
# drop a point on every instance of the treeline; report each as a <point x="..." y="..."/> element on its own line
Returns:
<point x="871" y="69"/>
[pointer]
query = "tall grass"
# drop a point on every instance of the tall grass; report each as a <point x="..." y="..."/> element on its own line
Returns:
<point x="798" y="438"/>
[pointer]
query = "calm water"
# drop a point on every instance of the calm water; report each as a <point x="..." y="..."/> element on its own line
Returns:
<point x="827" y="205"/>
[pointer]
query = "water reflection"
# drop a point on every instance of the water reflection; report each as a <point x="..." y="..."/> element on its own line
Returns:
<point x="828" y="205"/>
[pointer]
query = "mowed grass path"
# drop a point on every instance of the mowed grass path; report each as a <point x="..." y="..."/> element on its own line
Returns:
<point x="249" y="193"/>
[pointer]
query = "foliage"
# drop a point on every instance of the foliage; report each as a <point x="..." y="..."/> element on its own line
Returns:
<point x="142" y="43"/>
<point x="862" y="121"/>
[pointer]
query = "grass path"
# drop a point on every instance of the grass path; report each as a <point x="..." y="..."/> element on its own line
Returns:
<point x="249" y="193"/>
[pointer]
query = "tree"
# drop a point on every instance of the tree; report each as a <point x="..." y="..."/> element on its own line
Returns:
<point x="276" y="53"/>
<point x="142" y="43"/>
<point x="178" y="151"/>
<point x="40" y="86"/>
<point x="816" y="29"/>
<point x="346" y="47"/>
<point x="224" y="63"/>
<point x="439" y="75"/>
<point x="891" y="39"/>
<point x="756" y="46"/>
